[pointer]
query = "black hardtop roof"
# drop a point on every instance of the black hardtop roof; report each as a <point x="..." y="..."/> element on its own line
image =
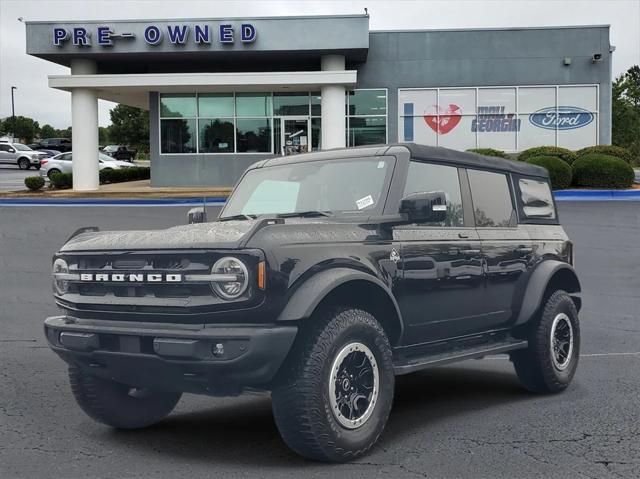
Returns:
<point x="418" y="152"/>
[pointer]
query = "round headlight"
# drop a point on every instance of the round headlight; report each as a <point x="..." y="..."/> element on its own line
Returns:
<point x="60" y="266"/>
<point x="233" y="277"/>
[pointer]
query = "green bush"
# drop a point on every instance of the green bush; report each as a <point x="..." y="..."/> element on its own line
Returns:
<point x="489" y="152"/>
<point x="34" y="183"/>
<point x="602" y="171"/>
<point x="125" y="174"/>
<point x="562" y="153"/>
<point x="609" y="150"/>
<point x="559" y="170"/>
<point x="61" y="181"/>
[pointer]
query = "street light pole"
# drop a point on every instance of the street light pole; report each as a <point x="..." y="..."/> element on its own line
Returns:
<point x="13" y="115"/>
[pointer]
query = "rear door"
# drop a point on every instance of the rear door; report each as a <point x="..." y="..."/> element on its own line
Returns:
<point x="6" y="155"/>
<point x="441" y="264"/>
<point x="506" y="246"/>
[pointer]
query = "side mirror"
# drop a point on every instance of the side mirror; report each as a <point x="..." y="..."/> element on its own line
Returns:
<point x="197" y="215"/>
<point x="11" y="150"/>
<point x="425" y="207"/>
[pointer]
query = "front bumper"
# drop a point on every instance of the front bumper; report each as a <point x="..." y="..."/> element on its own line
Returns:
<point x="202" y="359"/>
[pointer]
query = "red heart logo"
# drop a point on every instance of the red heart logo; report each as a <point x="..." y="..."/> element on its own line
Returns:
<point x="446" y="119"/>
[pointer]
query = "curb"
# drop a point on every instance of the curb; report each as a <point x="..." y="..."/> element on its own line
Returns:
<point x="597" y="195"/>
<point x="213" y="200"/>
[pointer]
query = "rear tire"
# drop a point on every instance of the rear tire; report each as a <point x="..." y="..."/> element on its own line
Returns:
<point x="118" y="405"/>
<point x="52" y="172"/>
<point x="333" y="395"/>
<point x="24" y="163"/>
<point x="549" y="363"/>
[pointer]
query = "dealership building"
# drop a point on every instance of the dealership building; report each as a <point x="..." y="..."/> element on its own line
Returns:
<point x="224" y="93"/>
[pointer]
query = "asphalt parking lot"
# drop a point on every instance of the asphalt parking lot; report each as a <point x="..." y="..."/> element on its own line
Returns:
<point x="12" y="178"/>
<point x="469" y="420"/>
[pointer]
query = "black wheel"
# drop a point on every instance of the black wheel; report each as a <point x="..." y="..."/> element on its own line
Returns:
<point x="52" y="172"/>
<point x="24" y="164"/>
<point x="550" y="361"/>
<point x="333" y="396"/>
<point x="37" y="167"/>
<point x="119" y="405"/>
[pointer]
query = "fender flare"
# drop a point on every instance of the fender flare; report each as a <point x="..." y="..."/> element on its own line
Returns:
<point x="538" y="282"/>
<point x="308" y="296"/>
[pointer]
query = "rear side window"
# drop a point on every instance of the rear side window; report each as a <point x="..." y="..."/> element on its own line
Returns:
<point x="537" y="200"/>
<point x="427" y="177"/>
<point x="492" y="205"/>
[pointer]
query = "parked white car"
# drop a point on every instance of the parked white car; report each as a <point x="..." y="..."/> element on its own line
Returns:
<point x="62" y="163"/>
<point x="18" y="154"/>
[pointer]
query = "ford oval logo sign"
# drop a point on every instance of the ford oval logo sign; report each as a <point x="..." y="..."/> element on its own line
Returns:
<point x="564" y="118"/>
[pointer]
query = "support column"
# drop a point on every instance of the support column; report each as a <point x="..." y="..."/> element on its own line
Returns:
<point x="332" y="103"/>
<point x="84" y="127"/>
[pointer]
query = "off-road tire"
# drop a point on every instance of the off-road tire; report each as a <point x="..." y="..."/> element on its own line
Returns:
<point x="110" y="403"/>
<point x="535" y="366"/>
<point x="301" y="404"/>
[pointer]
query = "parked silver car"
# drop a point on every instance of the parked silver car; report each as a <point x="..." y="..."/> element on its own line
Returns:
<point x="18" y="154"/>
<point x="62" y="163"/>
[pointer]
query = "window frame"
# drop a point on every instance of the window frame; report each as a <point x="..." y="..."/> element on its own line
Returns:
<point x="348" y="116"/>
<point x="515" y="214"/>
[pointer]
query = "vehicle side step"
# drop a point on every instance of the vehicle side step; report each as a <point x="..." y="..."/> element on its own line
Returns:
<point x="460" y="354"/>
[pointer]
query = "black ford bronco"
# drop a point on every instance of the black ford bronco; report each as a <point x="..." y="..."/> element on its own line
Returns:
<point x="325" y="276"/>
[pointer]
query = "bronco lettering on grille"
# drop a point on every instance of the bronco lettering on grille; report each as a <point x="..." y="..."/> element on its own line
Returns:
<point x="131" y="278"/>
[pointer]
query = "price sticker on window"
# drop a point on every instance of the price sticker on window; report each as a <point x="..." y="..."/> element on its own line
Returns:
<point x="362" y="203"/>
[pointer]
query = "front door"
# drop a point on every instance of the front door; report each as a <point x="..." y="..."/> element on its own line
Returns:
<point x="292" y="135"/>
<point x="441" y="283"/>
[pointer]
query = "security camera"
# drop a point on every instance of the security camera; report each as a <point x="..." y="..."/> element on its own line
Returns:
<point x="596" y="57"/>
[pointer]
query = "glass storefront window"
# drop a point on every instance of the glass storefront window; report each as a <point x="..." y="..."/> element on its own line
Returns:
<point x="367" y="102"/>
<point x="215" y="105"/>
<point x="291" y="104"/>
<point x="315" y="133"/>
<point x="216" y="136"/>
<point x="368" y="130"/>
<point x="316" y="108"/>
<point x="253" y="135"/>
<point x="178" y="136"/>
<point x="253" y="104"/>
<point x="178" y="105"/>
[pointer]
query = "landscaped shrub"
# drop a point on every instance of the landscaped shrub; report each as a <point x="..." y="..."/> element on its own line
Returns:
<point x="559" y="170"/>
<point x="562" y="153"/>
<point x="124" y="174"/>
<point x="610" y="150"/>
<point x="61" y="181"/>
<point x="602" y="171"/>
<point x="489" y="152"/>
<point x="34" y="183"/>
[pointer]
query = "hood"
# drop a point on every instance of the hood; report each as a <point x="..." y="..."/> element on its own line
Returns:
<point x="219" y="234"/>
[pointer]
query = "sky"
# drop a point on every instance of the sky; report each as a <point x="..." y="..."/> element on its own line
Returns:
<point x="35" y="99"/>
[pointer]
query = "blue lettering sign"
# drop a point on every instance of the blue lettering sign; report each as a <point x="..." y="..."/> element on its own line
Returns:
<point x="202" y="34"/>
<point x="60" y="35"/>
<point x="152" y="35"/>
<point x="492" y="119"/>
<point x="104" y="36"/>
<point x="247" y="33"/>
<point x="178" y="34"/>
<point x="80" y="37"/>
<point x="562" y="118"/>
<point x="226" y="33"/>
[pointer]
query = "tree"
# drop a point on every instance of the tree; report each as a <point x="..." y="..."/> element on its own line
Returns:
<point x="104" y="135"/>
<point x="129" y="126"/>
<point x="25" y="128"/>
<point x="47" y="131"/>
<point x="626" y="111"/>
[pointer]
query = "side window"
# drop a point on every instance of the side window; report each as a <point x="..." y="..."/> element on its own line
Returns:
<point x="4" y="147"/>
<point x="65" y="157"/>
<point x="492" y="205"/>
<point x="537" y="200"/>
<point x="426" y="177"/>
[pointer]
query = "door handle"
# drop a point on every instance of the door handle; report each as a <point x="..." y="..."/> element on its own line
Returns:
<point x="463" y="235"/>
<point x="524" y="249"/>
<point x="470" y="252"/>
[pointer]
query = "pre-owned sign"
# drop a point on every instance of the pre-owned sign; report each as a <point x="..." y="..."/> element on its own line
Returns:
<point x="203" y="34"/>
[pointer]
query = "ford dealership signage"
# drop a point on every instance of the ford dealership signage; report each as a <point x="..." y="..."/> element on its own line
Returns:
<point x="204" y="34"/>
<point x="562" y="118"/>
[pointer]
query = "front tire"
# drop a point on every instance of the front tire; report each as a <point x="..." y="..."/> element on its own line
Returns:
<point x="119" y="405"/>
<point x="334" y="394"/>
<point x="549" y="363"/>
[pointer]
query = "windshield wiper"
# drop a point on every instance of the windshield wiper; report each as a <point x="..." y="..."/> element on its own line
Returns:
<point x="238" y="217"/>
<point x="304" y="214"/>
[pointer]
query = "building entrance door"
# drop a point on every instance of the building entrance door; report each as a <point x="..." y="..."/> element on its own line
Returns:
<point x="292" y="135"/>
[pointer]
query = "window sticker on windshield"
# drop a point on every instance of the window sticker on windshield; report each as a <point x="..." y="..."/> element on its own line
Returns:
<point x="380" y="165"/>
<point x="364" y="202"/>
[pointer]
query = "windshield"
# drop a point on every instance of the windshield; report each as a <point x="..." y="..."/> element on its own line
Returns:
<point x="110" y="148"/>
<point x="335" y="186"/>
<point x="104" y="157"/>
<point x="21" y="147"/>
